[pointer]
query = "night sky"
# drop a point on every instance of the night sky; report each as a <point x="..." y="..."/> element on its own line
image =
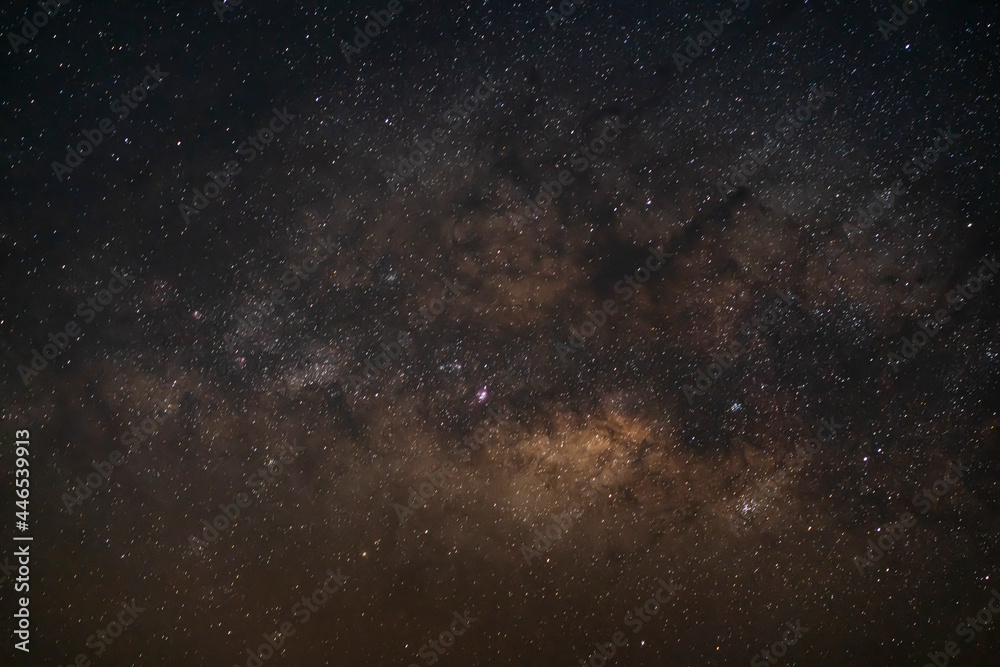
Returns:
<point x="406" y="333"/>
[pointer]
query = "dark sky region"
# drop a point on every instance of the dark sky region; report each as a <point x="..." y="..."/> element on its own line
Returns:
<point x="607" y="333"/>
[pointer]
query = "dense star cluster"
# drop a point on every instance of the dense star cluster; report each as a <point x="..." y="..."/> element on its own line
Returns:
<point x="401" y="333"/>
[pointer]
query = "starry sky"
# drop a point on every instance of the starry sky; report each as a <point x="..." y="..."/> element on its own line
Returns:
<point x="634" y="333"/>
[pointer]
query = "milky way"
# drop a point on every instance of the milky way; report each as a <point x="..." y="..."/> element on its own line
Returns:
<point x="514" y="335"/>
